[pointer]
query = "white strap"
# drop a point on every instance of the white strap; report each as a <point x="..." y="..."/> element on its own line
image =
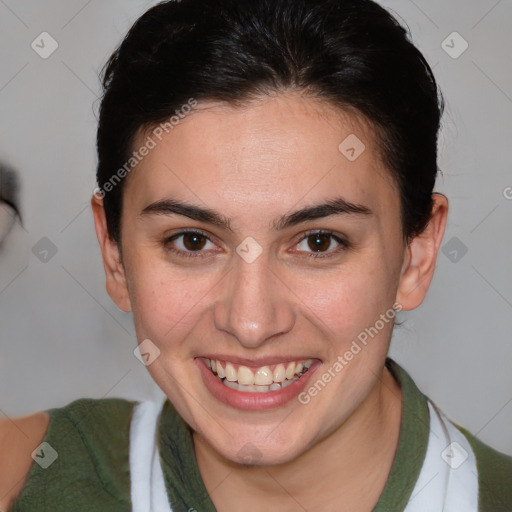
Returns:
<point x="147" y="485"/>
<point x="448" y="480"/>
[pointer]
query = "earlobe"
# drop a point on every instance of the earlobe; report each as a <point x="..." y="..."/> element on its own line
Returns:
<point x="420" y="257"/>
<point x="116" y="284"/>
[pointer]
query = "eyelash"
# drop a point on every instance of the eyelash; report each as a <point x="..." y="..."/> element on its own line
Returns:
<point x="343" y="244"/>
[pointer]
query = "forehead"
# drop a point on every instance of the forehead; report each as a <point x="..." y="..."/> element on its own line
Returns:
<point x="270" y="154"/>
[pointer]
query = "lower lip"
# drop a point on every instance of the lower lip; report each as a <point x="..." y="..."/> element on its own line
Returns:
<point x="250" y="401"/>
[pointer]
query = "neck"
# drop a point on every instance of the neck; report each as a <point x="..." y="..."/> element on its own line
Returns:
<point x="346" y="471"/>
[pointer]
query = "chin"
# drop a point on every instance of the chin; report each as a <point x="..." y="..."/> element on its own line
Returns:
<point x="260" y="447"/>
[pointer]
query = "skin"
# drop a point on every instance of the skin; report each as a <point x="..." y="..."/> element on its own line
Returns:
<point x="19" y="437"/>
<point x="253" y="165"/>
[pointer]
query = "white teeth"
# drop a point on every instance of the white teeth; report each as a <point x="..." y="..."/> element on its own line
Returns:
<point x="231" y="373"/>
<point x="263" y="376"/>
<point x="245" y="376"/>
<point x="264" y="380"/>
<point x="290" y="371"/>
<point x="279" y="373"/>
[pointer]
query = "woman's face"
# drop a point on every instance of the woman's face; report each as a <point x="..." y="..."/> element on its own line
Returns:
<point x="256" y="287"/>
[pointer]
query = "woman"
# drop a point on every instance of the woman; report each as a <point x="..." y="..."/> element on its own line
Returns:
<point x="265" y="206"/>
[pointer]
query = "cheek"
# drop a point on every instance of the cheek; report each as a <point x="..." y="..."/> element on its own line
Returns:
<point x="348" y="300"/>
<point x="165" y="304"/>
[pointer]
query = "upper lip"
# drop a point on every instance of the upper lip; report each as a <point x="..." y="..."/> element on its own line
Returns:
<point x="256" y="362"/>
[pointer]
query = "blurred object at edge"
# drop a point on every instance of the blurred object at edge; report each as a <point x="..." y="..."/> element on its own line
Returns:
<point x="9" y="206"/>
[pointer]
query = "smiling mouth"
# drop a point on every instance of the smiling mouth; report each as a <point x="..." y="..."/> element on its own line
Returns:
<point x="263" y="379"/>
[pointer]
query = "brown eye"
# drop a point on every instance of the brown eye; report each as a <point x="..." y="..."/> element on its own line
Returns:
<point x="322" y="244"/>
<point x="319" y="242"/>
<point x="188" y="244"/>
<point x="194" y="241"/>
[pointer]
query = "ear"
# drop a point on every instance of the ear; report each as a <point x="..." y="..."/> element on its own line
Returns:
<point x="420" y="257"/>
<point x="116" y="284"/>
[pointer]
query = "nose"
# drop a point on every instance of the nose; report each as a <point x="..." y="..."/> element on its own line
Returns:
<point x="254" y="306"/>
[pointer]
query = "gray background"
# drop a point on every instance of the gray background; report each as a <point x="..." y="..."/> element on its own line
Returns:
<point x="62" y="338"/>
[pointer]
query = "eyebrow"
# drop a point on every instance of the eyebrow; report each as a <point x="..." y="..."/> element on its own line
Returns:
<point x="337" y="206"/>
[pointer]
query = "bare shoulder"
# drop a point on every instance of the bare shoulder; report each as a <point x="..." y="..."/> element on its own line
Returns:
<point x="19" y="437"/>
